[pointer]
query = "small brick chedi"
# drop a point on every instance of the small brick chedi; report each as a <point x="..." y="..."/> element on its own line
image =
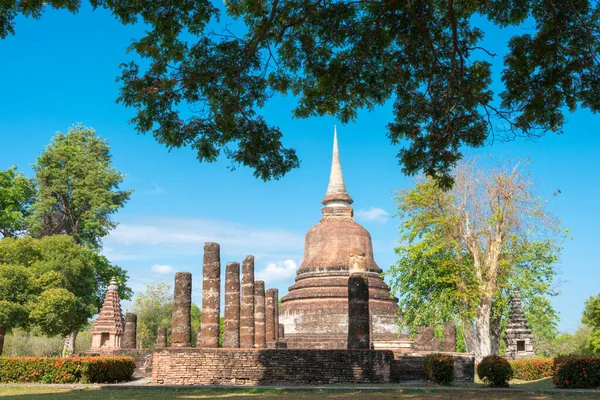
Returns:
<point x="315" y="310"/>
<point x="518" y="338"/>
<point x="107" y="332"/>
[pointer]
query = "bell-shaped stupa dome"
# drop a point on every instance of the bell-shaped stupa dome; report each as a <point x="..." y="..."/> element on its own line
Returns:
<point x="315" y="311"/>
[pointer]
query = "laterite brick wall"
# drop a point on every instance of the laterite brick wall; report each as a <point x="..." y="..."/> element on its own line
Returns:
<point x="191" y="366"/>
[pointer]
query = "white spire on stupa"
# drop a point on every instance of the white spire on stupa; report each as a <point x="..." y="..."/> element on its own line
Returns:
<point x="337" y="195"/>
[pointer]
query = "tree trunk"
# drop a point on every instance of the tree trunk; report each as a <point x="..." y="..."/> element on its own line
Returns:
<point x="2" y="333"/>
<point x="482" y="322"/>
<point x="496" y="331"/>
<point x="69" y="347"/>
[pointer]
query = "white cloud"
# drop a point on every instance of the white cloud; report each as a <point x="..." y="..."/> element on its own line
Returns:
<point x="153" y="237"/>
<point x="278" y="271"/>
<point x="162" y="269"/>
<point x="375" y="214"/>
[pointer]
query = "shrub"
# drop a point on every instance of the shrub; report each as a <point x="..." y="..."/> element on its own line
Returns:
<point x="66" y="370"/>
<point x="577" y="372"/>
<point x="495" y="371"/>
<point x="439" y="368"/>
<point x="531" y="369"/>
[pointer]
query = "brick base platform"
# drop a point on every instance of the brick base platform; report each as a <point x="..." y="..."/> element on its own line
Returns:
<point x="191" y="366"/>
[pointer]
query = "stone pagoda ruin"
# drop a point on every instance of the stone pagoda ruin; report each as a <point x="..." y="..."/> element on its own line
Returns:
<point x="315" y="311"/>
<point x="518" y="337"/>
<point x="107" y="332"/>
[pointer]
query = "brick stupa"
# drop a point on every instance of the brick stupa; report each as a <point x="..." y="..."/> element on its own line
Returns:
<point x="315" y="311"/>
<point x="518" y="336"/>
<point x="107" y="331"/>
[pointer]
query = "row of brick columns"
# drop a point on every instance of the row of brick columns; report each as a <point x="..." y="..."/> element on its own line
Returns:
<point x="251" y="317"/>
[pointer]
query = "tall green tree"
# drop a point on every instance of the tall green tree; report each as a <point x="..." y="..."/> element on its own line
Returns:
<point x="17" y="290"/>
<point x="339" y="57"/>
<point x="78" y="188"/>
<point x="78" y="192"/>
<point x="464" y="251"/>
<point x="591" y="317"/>
<point x="154" y="309"/>
<point x="16" y="196"/>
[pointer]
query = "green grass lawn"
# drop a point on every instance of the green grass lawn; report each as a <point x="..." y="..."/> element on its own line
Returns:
<point x="36" y="393"/>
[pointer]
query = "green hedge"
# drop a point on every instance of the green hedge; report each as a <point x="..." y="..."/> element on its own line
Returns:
<point x="577" y="372"/>
<point x="439" y="368"/>
<point x="66" y="370"/>
<point x="532" y="369"/>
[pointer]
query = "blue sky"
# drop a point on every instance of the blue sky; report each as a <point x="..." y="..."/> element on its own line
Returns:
<point x="61" y="70"/>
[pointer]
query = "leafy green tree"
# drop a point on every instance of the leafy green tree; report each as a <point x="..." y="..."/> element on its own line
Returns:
<point x="339" y="57"/>
<point x="464" y="251"/>
<point x="566" y="343"/>
<point x="78" y="191"/>
<point x="154" y="308"/>
<point x="591" y="317"/>
<point x="58" y="311"/>
<point x="64" y="281"/>
<point x="16" y="196"/>
<point x="78" y="188"/>
<point x="17" y="290"/>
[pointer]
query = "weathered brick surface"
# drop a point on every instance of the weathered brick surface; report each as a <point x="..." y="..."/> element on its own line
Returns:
<point x="449" y="337"/>
<point x="271" y="335"/>
<point x="247" y="304"/>
<point x="231" y="323"/>
<point x="358" y="312"/>
<point x="181" y="328"/>
<point x="211" y="295"/>
<point x="129" y="336"/>
<point x="161" y="337"/>
<point x="269" y="367"/>
<point x="260" y="333"/>
<point x="410" y="367"/>
<point x="425" y="341"/>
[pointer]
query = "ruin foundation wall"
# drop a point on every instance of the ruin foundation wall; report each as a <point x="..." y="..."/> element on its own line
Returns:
<point x="193" y="366"/>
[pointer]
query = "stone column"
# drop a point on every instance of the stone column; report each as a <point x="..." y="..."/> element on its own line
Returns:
<point x="358" y="312"/>
<point x="247" y="304"/>
<point x="270" y="317"/>
<point x="161" y="338"/>
<point x="276" y="309"/>
<point x="449" y="337"/>
<point x="199" y="336"/>
<point x="129" y="337"/>
<point x="281" y="334"/>
<point x="211" y="295"/>
<point x="181" y="325"/>
<point x="259" y="315"/>
<point x="231" y="324"/>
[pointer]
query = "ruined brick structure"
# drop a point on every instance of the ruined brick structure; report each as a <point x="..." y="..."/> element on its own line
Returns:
<point x="518" y="336"/>
<point x="358" y="312"/>
<point x="129" y="336"/>
<point x="231" y="322"/>
<point x="269" y="367"/>
<point x="247" y="304"/>
<point x="161" y="337"/>
<point x="315" y="311"/>
<point x="181" y="329"/>
<point x="107" y="332"/>
<point x="260" y="333"/>
<point x="211" y="295"/>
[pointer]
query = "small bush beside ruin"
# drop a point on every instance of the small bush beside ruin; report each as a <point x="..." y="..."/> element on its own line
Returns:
<point x="495" y="371"/>
<point x="439" y="368"/>
<point x="66" y="370"/>
<point x="531" y="369"/>
<point x="577" y="372"/>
